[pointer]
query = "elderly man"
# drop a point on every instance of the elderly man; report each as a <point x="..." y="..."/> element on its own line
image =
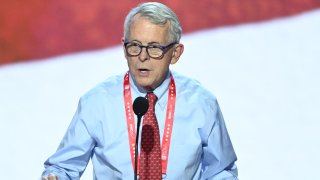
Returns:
<point x="183" y="134"/>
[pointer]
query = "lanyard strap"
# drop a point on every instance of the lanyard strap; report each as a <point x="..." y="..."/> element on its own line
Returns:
<point x="166" y="139"/>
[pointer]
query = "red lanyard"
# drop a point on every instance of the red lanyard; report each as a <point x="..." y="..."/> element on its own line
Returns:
<point x="168" y="123"/>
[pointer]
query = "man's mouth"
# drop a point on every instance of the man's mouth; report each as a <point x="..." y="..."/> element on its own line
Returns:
<point x="143" y="70"/>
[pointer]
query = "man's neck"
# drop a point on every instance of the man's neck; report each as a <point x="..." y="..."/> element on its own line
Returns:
<point x="145" y="89"/>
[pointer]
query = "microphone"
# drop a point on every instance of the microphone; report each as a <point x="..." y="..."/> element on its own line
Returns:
<point x="140" y="107"/>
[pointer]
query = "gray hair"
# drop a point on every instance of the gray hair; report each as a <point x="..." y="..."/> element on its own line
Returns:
<point x="158" y="14"/>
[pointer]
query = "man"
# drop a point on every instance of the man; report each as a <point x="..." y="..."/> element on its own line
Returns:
<point x="183" y="133"/>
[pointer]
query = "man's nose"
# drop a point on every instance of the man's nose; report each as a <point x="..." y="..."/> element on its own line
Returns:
<point x="144" y="54"/>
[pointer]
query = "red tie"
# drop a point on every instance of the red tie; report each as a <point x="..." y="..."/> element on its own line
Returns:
<point x="150" y="153"/>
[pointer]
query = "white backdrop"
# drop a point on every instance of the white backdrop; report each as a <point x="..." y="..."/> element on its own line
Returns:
<point x="265" y="75"/>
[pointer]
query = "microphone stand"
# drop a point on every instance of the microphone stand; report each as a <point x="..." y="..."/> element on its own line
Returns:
<point x="136" y="148"/>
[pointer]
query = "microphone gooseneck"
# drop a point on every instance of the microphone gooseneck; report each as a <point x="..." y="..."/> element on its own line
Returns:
<point x="140" y="107"/>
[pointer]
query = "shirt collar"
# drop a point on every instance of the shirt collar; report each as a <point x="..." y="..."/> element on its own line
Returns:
<point x="160" y="91"/>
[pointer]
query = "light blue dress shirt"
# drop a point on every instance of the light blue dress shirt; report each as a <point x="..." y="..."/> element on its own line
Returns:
<point x="200" y="145"/>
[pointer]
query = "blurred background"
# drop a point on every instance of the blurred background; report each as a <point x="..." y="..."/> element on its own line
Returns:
<point x="259" y="57"/>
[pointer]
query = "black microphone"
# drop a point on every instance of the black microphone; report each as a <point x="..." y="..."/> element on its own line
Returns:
<point x="140" y="107"/>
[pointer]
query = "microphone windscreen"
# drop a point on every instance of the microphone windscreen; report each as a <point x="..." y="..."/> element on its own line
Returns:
<point x="140" y="106"/>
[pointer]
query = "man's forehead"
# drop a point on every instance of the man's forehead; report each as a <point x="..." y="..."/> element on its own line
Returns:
<point x="143" y="30"/>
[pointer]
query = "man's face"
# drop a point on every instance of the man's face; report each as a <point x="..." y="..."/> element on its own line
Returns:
<point x="148" y="72"/>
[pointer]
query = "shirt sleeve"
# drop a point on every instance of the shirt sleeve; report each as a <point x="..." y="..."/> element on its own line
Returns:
<point x="74" y="151"/>
<point x="218" y="160"/>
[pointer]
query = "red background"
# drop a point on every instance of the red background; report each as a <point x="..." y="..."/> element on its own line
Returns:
<point x="35" y="29"/>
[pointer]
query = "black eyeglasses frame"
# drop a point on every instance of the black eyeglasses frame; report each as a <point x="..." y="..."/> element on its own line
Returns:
<point x="164" y="49"/>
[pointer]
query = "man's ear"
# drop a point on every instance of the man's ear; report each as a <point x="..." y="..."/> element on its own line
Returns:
<point x="177" y="52"/>
<point x="122" y="43"/>
<point x="122" y="40"/>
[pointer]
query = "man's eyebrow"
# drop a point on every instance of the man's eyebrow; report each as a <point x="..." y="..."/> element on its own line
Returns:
<point x="149" y="43"/>
<point x="136" y="41"/>
<point x="153" y="43"/>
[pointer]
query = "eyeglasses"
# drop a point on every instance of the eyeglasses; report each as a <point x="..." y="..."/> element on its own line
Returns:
<point x="154" y="51"/>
